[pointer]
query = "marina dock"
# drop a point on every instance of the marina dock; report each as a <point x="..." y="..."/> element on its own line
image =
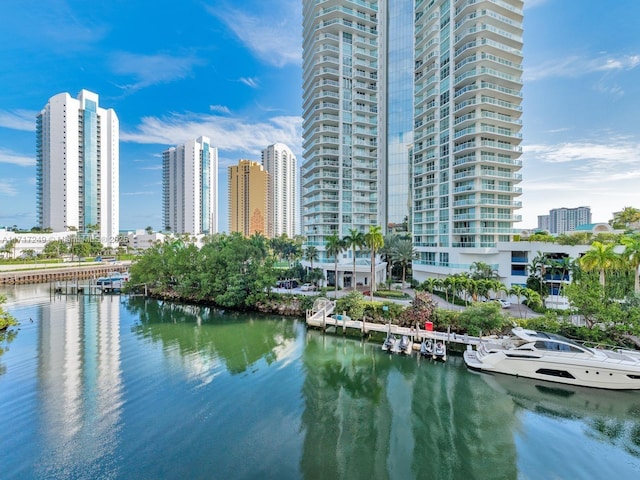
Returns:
<point x="323" y="317"/>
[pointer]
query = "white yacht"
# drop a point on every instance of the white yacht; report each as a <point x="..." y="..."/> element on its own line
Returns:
<point x="551" y="357"/>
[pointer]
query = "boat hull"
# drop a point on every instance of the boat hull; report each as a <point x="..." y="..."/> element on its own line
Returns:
<point x="575" y="371"/>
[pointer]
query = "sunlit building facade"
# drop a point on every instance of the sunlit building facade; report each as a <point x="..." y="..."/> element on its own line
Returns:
<point x="190" y="188"/>
<point x="77" y="166"/>
<point x="466" y="152"/>
<point x="249" y="199"/>
<point x="281" y="164"/>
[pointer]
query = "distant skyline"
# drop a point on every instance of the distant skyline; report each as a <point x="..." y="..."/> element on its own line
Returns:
<point x="233" y="73"/>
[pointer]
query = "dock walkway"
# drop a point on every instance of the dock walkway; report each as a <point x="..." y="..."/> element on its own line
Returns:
<point x="324" y="317"/>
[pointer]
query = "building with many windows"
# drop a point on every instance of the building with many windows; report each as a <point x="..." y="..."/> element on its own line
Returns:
<point x="190" y="188"/>
<point x="77" y="166"/>
<point x="466" y="151"/>
<point x="563" y="220"/>
<point x="281" y="164"/>
<point x="439" y="150"/>
<point x="249" y="199"/>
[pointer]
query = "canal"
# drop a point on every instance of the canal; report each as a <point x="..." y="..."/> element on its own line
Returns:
<point x="116" y="387"/>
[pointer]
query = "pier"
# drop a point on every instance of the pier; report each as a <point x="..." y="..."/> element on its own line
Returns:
<point x="322" y="316"/>
<point x="63" y="273"/>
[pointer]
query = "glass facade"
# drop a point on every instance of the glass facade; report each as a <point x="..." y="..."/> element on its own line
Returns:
<point x="89" y="159"/>
<point x="399" y="111"/>
<point x="205" y="193"/>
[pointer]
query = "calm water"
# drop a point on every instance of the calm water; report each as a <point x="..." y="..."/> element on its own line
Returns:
<point x="125" y="388"/>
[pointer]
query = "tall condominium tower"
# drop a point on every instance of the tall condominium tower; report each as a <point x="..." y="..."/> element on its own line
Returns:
<point x="467" y="108"/>
<point x="77" y="160"/>
<point x="282" y="165"/>
<point x="357" y="117"/>
<point x="249" y="199"/>
<point x="563" y="220"/>
<point x="190" y="187"/>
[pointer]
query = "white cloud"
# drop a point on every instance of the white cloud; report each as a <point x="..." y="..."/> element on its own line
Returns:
<point x="251" y="82"/>
<point x="219" y="109"/>
<point x="272" y="34"/>
<point x="576" y="66"/>
<point x="7" y="156"/>
<point x="152" y="69"/>
<point x="19" y="120"/>
<point x="7" y="189"/>
<point x="229" y="134"/>
<point x="601" y="173"/>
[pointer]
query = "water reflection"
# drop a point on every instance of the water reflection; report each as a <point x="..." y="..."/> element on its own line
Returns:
<point x="80" y="384"/>
<point x="609" y="416"/>
<point x="205" y="337"/>
<point x="370" y="415"/>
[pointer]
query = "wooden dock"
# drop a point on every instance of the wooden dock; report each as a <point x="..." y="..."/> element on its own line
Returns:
<point x="324" y="318"/>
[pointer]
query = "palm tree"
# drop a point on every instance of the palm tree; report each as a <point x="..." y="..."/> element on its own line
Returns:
<point x="482" y="270"/>
<point x="403" y="253"/>
<point x="518" y="291"/>
<point x="354" y="240"/>
<point x="311" y="255"/>
<point x="624" y="218"/>
<point x="601" y="257"/>
<point x="386" y="251"/>
<point x="334" y="247"/>
<point x="431" y="284"/>
<point x="533" y="298"/>
<point x="632" y="256"/>
<point x="374" y="240"/>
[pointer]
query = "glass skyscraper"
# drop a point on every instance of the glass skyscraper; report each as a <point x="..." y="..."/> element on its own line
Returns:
<point x="190" y="188"/>
<point x="77" y="166"/>
<point x="411" y="120"/>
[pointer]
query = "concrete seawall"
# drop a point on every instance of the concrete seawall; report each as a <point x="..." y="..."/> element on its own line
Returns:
<point x="56" y="274"/>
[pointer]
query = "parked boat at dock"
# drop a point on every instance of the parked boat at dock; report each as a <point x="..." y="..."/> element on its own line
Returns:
<point x="546" y="356"/>
<point x="406" y="345"/>
<point x="426" y="348"/>
<point x="440" y="351"/>
<point x="389" y="343"/>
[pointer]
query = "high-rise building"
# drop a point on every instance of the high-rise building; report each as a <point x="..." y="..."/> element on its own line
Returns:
<point x="281" y="164"/>
<point x="562" y="220"/>
<point x="249" y="199"/>
<point x="467" y="108"/>
<point x="77" y="162"/>
<point x="415" y="128"/>
<point x="357" y="123"/>
<point x="190" y="187"/>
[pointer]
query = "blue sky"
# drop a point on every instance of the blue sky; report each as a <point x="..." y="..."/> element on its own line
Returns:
<point x="231" y="70"/>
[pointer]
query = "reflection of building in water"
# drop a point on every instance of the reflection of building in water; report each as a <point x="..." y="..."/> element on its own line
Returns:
<point x="369" y="415"/>
<point x="80" y="381"/>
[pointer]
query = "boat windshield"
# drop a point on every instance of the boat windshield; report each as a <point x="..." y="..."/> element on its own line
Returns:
<point x="552" y="341"/>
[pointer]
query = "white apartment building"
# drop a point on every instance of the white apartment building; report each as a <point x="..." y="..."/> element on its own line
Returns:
<point x="451" y="171"/>
<point x="466" y="153"/>
<point x="563" y="220"/>
<point x="190" y="188"/>
<point x="282" y="165"/>
<point x="77" y="162"/>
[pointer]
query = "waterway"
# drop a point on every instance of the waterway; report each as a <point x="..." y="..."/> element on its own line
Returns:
<point x="117" y="388"/>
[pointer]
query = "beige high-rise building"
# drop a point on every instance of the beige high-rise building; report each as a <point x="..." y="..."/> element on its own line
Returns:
<point x="248" y="199"/>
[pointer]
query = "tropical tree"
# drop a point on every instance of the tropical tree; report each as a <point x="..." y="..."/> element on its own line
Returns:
<point x="538" y="269"/>
<point x="534" y="299"/>
<point x="482" y="270"/>
<point x="334" y="247"/>
<point x="354" y="240"/>
<point x="311" y="255"/>
<point x="519" y="292"/>
<point x="386" y="251"/>
<point x="624" y="218"/>
<point x="403" y="253"/>
<point x="600" y="257"/>
<point x="631" y="254"/>
<point x="431" y="284"/>
<point x="6" y="319"/>
<point x="374" y="241"/>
